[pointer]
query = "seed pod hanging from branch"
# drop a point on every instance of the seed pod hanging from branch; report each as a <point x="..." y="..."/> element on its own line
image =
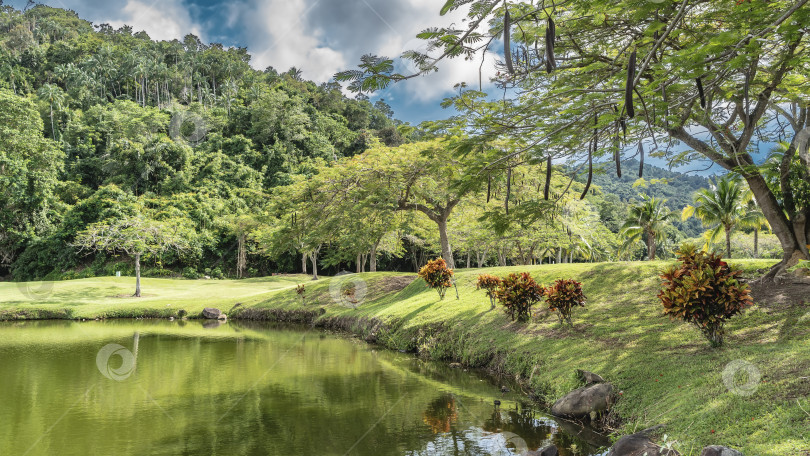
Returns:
<point x="548" y="178"/>
<point x="745" y="91"/>
<point x="508" y="188"/>
<point x="641" y="159"/>
<point x="701" y="93"/>
<point x="590" y="170"/>
<point x="551" y="38"/>
<point x="666" y="105"/>
<point x="507" y="40"/>
<point x="628" y="88"/>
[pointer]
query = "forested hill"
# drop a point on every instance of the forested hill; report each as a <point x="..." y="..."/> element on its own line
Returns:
<point x="677" y="188"/>
<point x="107" y="122"/>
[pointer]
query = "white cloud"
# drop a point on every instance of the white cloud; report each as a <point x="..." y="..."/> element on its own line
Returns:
<point x="162" y="20"/>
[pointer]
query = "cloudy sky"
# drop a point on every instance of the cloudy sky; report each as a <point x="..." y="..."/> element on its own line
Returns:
<point x="320" y="37"/>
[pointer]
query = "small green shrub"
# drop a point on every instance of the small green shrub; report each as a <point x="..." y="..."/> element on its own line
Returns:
<point x="437" y="275"/>
<point x="703" y="290"/>
<point x="191" y="273"/>
<point x="563" y="296"/>
<point x="518" y="293"/>
<point x="490" y="284"/>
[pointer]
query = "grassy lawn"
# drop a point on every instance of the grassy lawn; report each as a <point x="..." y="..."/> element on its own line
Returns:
<point x="110" y="297"/>
<point x="666" y="371"/>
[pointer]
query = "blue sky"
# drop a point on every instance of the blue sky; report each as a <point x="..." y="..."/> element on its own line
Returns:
<point x="320" y="37"/>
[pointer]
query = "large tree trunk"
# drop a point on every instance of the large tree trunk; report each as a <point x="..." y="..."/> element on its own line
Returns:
<point x="447" y="254"/>
<point x="756" y="242"/>
<point x="137" y="275"/>
<point x="357" y="263"/>
<point x="651" y="245"/>
<point x="304" y="262"/>
<point x="314" y="257"/>
<point x="728" y="242"/>
<point x="373" y="258"/>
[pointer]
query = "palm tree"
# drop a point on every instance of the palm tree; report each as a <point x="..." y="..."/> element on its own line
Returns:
<point x="754" y="218"/>
<point x="55" y="97"/>
<point x="723" y="208"/>
<point x="646" y="220"/>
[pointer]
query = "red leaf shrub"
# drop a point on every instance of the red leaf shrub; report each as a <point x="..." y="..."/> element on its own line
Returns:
<point x="301" y="290"/>
<point x="437" y="275"/>
<point x="518" y="293"/>
<point x="490" y="284"/>
<point x="563" y="296"/>
<point x="703" y="290"/>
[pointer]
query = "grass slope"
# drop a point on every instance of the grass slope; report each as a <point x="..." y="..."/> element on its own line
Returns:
<point x="666" y="371"/>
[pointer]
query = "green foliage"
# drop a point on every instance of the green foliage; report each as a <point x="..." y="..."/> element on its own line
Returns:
<point x="562" y="296"/>
<point x="437" y="275"/>
<point x="490" y="284"/>
<point x="517" y="293"/>
<point x="703" y="290"/>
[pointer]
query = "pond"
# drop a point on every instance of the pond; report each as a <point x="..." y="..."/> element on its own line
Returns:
<point x="155" y="387"/>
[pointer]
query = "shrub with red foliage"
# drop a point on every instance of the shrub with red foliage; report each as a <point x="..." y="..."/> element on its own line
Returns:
<point x="518" y="293"/>
<point x="705" y="291"/>
<point x="437" y="275"/>
<point x="563" y="296"/>
<point x="490" y="284"/>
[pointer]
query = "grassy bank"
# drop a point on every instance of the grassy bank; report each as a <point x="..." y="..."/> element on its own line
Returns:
<point x="667" y="373"/>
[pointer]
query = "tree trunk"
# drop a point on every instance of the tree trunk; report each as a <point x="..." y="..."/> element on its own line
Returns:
<point x="756" y="242"/>
<point x="241" y="257"/>
<point x="357" y="264"/>
<point x="373" y="258"/>
<point x="559" y="255"/>
<point x="304" y="262"/>
<point x="314" y="257"/>
<point x="137" y="275"/>
<point x="780" y="225"/>
<point x="447" y="254"/>
<point x="468" y="258"/>
<point x="728" y="242"/>
<point x="651" y="245"/>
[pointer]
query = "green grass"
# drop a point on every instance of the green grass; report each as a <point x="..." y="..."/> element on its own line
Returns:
<point x="666" y="371"/>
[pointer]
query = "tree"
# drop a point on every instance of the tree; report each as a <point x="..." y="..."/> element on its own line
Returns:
<point x="613" y="74"/>
<point x="29" y="167"/>
<point x="137" y="237"/>
<point x="646" y="220"/>
<point x="55" y="97"/>
<point x="723" y="206"/>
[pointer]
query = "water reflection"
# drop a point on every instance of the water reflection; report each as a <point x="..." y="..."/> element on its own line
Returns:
<point x="247" y="390"/>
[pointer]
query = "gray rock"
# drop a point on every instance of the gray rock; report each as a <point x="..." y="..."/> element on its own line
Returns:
<point x="211" y="313"/>
<point x="589" y="377"/>
<point x="717" y="450"/>
<point x="638" y="445"/>
<point x="550" y="450"/>
<point x="584" y="401"/>
<point x="455" y="365"/>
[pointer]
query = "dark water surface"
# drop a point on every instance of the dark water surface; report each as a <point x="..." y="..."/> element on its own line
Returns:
<point x="179" y="388"/>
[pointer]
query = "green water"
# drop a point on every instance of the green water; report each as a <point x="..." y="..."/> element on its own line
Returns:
<point x="179" y="388"/>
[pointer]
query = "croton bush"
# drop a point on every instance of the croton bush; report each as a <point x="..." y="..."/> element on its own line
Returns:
<point x="437" y="275"/>
<point x="563" y="296"/>
<point x="704" y="290"/>
<point x="518" y="293"/>
<point x="490" y="284"/>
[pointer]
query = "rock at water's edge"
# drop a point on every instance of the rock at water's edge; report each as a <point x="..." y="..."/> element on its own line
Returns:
<point x="211" y="313"/>
<point x="717" y="450"/>
<point x="584" y="401"/>
<point x="638" y="445"/>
